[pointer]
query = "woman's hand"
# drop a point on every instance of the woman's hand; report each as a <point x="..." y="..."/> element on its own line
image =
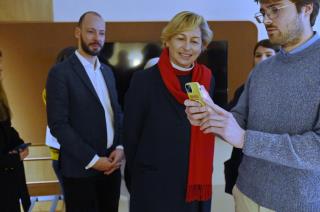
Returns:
<point x="23" y="153"/>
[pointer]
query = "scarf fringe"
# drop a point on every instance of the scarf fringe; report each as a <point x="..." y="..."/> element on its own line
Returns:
<point x="198" y="193"/>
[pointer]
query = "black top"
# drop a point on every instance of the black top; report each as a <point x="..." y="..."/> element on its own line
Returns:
<point x="12" y="176"/>
<point x="231" y="166"/>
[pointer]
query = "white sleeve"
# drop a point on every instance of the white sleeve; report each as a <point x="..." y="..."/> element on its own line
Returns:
<point x="50" y="140"/>
<point x="92" y="162"/>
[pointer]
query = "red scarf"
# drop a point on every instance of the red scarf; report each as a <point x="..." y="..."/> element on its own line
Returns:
<point x="199" y="186"/>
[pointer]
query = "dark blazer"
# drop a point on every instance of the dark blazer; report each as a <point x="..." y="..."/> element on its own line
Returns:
<point x="12" y="176"/>
<point x="77" y="118"/>
<point x="231" y="166"/>
<point x="156" y="145"/>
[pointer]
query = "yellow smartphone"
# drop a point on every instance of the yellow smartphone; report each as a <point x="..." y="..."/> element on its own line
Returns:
<point x="193" y="90"/>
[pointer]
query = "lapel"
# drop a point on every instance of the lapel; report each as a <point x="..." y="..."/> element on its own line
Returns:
<point x="170" y="98"/>
<point x="110" y="87"/>
<point x="81" y="72"/>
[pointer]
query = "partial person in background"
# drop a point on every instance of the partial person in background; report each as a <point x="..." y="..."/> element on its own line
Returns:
<point x="262" y="51"/>
<point x="85" y="117"/>
<point x="13" y="186"/>
<point x="164" y="170"/>
<point x="276" y="121"/>
<point x="150" y="51"/>
<point x="151" y="62"/>
<point x="51" y="141"/>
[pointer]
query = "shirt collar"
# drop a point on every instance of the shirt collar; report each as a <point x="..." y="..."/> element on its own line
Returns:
<point x="86" y="63"/>
<point x="181" y="68"/>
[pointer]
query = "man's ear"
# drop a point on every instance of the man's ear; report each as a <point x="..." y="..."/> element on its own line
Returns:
<point x="77" y="32"/>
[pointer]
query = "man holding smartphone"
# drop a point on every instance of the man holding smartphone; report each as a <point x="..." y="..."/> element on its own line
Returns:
<point x="276" y="121"/>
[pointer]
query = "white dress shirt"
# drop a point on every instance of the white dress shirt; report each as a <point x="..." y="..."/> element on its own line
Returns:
<point x="94" y="73"/>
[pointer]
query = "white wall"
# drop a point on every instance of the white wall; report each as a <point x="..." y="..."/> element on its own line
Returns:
<point x="159" y="10"/>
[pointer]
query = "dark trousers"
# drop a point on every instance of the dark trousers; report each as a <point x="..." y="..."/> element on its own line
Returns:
<point x="205" y="206"/>
<point x="11" y="205"/>
<point x="57" y="170"/>
<point x="93" y="194"/>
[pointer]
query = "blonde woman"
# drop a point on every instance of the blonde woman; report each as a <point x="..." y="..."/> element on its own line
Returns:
<point x="169" y="163"/>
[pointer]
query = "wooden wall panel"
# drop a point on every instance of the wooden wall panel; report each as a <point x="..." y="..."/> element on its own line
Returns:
<point x="240" y="35"/>
<point x="26" y="10"/>
<point x="30" y="49"/>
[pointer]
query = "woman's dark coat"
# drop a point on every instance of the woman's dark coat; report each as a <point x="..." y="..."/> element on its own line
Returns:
<point x="156" y="144"/>
<point x="12" y="177"/>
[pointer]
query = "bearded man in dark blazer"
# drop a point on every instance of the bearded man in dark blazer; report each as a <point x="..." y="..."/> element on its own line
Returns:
<point x="85" y="117"/>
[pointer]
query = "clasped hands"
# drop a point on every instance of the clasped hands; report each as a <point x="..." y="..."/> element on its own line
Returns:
<point x="109" y="164"/>
<point x="213" y="119"/>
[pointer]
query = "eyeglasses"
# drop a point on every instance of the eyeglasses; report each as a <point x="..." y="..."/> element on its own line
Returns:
<point x="271" y="12"/>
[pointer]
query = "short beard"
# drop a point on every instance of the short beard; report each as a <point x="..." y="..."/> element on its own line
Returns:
<point x="87" y="50"/>
<point x="292" y="37"/>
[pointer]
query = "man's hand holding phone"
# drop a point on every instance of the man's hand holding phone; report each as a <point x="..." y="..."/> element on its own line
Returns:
<point x="213" y="119"/>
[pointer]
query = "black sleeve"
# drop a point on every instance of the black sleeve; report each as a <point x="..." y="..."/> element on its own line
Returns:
<point x="117" y="108"/>
<point x="231" y="166"/>
<point x="13" y="139"/>
<point x="236" y="97"/>
<point x="9" y="161"/>
<point x="58" y="113"/>
<point x="135" y="109"/>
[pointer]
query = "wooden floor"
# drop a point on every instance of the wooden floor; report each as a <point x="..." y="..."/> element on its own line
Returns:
<point x="44" y="206"/>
